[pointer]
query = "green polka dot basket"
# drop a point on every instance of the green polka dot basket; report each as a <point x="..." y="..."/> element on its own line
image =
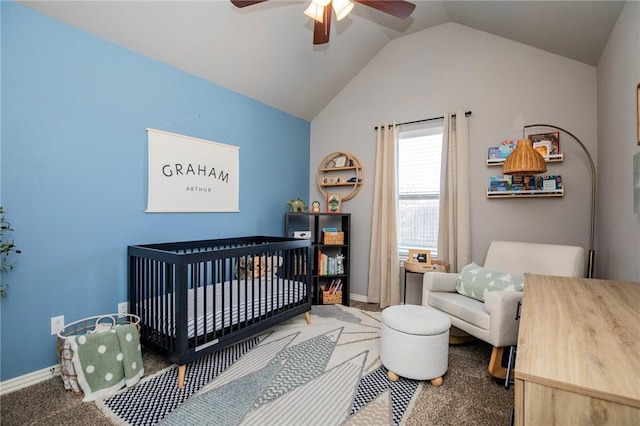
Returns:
<point x="93" y="324"/>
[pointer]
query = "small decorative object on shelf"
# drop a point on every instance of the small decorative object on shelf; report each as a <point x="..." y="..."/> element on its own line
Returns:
<point x="340" y="264"/>
<point x="304" y="235"/>
<point x="333" y="203"/>
<point x="297" y="205"/>
<point x="315" y="207"/>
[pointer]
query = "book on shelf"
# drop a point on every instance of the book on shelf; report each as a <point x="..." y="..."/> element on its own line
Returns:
<point x="497" y="154"/>
<point x="549" y="183"/>
<point x="517" y="183"/>
<point x="525" y="183"/>
<point x="543" y="147"/>
<point x="529" y="183"/>
<point x="494" y="153"/>
<point x="552" y="138"/>
<point x="506" y="148"/>
<point x="333" y="286"/>
<point x="328" y="285"/>
<point x="500" y="183"/>
<point x="327" y="265"/>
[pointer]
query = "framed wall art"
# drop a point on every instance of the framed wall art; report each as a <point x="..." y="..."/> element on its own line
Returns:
<point x="341" y="161"/>
<point x="187" y="174"/>
<point x="334" y="203"/>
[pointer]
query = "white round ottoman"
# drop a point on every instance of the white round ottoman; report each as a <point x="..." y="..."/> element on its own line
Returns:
<point x="414" y="343"/>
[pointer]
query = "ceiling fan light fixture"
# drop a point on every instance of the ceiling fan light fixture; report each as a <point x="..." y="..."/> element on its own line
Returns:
<point x="316" y="12"/>
<point x="342" y="8"/>
<point x="321" y="3"/>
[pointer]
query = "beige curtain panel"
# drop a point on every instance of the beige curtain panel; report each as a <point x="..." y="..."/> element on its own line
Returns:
<point x="454" y="228"/>
<point x="384" y="268"/>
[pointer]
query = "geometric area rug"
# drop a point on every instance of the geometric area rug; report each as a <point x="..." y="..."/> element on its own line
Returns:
<point x="325" y="373"/>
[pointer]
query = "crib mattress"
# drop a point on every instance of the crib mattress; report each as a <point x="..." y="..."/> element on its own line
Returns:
<point x="216" y="306"/>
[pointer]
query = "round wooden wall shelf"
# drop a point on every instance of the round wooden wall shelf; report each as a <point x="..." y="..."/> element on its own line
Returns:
<point x="340" y="172"/>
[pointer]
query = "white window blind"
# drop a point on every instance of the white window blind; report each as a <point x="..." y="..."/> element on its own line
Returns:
<point x="419" y="156"/>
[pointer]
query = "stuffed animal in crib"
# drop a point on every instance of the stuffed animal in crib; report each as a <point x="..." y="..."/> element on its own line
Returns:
<point x="272" y="264"/>
<point x="250" y="267"/>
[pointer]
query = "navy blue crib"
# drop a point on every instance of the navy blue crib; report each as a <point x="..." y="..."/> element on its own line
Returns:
<point x="197" y="297"/>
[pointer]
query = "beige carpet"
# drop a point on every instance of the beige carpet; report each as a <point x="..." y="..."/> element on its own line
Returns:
<point x="468" y="396"/>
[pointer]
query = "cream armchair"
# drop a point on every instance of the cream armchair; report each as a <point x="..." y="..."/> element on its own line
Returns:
<point x="495" y="320"/>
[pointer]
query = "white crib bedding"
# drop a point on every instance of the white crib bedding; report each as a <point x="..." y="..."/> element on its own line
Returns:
<point x="262" y="296"/>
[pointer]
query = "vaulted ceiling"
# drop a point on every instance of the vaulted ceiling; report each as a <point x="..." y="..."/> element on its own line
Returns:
<point x="265" y="51"/>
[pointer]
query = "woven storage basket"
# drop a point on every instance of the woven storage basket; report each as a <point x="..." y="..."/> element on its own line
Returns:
<point x="331" y="299"/>
<point x="431" y="265"/>
<point x="333" y="237"/>
<point x="77" y="328"/>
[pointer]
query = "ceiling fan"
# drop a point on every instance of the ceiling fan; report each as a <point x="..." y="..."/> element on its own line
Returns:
<point x="320" y="11"/>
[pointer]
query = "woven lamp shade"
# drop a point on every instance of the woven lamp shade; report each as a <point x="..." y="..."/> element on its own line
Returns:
<point x="524" y="160"/>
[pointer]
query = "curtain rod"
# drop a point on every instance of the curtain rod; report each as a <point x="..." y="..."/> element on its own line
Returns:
<point x="466" y="114"/>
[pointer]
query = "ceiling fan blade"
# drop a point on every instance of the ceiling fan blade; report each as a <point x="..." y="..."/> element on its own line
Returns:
<point x="398" y="8"/>
<point x="321" y="29"/>
<point x="245" y="3"/>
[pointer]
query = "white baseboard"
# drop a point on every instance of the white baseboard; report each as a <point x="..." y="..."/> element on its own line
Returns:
<point x="29" y="379"/>
<point x="358" y="297"/>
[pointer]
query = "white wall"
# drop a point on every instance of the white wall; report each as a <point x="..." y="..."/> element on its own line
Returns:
<point x="618" y="76"/>
<point x="506" y="85"/>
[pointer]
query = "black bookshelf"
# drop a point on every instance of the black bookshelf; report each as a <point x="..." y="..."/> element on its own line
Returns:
<point x="313" y="223"/>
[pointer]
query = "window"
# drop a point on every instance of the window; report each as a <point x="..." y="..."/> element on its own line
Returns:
<point x="419" y="158"/>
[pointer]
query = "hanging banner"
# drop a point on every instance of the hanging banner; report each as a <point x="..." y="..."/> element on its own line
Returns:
<point x="191" y="175"/>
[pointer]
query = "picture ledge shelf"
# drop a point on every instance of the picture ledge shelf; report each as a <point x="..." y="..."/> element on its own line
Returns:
<point x="526" y="194"/>
<point x="555" y="158"/>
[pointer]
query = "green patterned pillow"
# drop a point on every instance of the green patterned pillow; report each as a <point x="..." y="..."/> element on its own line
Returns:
<point x="476" y="281"/>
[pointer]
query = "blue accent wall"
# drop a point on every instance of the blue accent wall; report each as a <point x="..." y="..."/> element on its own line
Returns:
<point x="73" y="146"/>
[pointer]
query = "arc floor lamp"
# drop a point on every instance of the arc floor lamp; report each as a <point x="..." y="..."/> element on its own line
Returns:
<point x="526" y="160"/>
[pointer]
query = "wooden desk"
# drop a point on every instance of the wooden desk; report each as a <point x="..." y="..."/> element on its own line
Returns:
<point x="578" y="359"/>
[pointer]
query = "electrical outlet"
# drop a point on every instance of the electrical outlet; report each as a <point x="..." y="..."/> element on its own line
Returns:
<point x="123" y="309"/>
<point x="57" y="324"/>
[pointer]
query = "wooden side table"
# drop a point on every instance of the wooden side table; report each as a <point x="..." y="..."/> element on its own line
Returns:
<point x="422" y="268"/>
